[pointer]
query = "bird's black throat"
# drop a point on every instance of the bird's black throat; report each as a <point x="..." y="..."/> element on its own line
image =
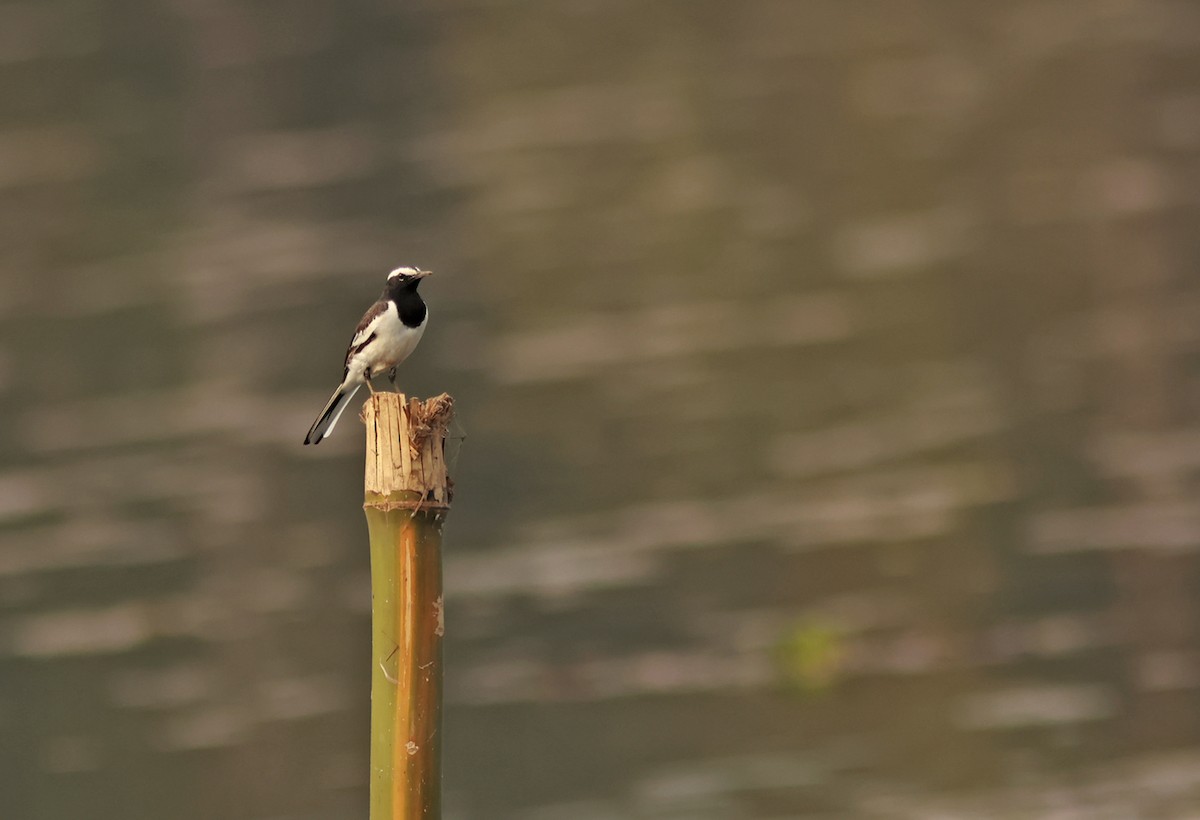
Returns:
<point x="409" y="304"/>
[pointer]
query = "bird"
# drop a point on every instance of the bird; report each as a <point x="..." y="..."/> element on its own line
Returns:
<point x="386" y="336"/>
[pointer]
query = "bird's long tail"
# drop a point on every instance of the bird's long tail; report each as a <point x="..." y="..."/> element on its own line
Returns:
<point x="325" y="422"/>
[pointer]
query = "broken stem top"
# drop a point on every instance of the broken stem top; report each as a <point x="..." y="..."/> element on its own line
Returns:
<point x="406" y="452"/>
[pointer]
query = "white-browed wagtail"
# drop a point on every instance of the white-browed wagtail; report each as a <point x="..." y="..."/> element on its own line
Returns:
<point x="388" y="333"/>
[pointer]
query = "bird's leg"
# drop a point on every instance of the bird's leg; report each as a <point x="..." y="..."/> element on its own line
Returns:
<point x="392" y="379"/>
<point x="367" y="378"/>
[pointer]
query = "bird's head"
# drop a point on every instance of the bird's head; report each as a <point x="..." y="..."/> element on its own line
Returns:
<point x="406" y="278"/>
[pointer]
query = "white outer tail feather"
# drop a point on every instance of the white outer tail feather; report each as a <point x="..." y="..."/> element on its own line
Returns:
<point x="328" y="419"/>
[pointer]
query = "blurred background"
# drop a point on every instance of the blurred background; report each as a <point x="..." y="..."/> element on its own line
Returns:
<point x="828" y="371"/>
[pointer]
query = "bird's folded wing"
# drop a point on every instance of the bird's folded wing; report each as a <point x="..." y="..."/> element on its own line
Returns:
<point x="365" y="331"/>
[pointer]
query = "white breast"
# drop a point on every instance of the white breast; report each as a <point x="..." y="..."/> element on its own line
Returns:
<point x="393" y="343"/>
<point x="397" y="340"/>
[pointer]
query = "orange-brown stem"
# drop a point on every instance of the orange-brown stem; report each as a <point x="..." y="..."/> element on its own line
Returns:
<point x="407" y="497"/>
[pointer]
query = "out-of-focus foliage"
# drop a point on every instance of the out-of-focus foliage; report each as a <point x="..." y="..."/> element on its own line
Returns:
<point x="810" y="656"/>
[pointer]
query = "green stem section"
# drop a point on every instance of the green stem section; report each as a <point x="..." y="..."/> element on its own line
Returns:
<point x="406" y="654"/>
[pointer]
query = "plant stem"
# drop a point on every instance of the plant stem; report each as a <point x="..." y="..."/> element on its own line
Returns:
<point x="407" y="496"/>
